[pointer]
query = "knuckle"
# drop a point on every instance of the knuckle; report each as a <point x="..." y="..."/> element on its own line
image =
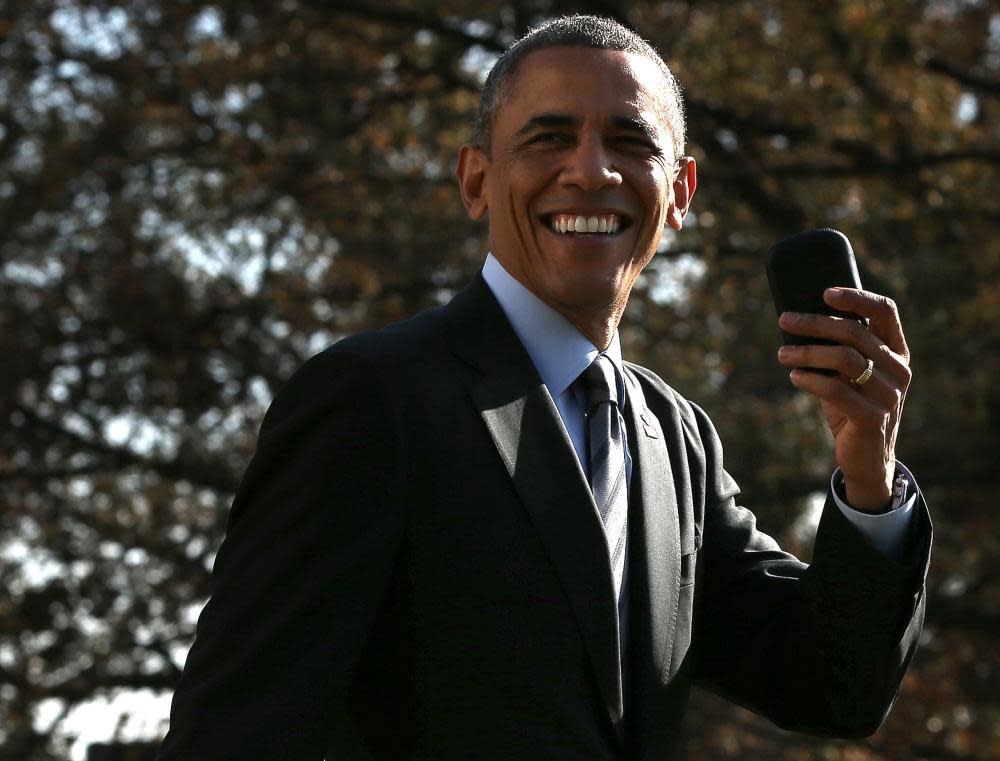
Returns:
<point x="856" y="331"/>
<point x="891" y="310"/>
<point x="906" y="372"/>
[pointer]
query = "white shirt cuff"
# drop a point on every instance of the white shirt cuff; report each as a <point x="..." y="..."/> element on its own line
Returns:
<point x="885" y="531"/>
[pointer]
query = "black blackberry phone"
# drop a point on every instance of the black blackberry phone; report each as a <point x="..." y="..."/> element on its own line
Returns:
<point x="801" y="267"/>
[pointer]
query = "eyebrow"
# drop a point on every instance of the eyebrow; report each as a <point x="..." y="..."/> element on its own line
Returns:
<point x="640" y="126"/>
<point x="544" y="121"/>
<point x="624" y="123"/>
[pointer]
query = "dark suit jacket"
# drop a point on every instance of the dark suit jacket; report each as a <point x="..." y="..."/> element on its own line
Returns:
<point x="414" y="569"/>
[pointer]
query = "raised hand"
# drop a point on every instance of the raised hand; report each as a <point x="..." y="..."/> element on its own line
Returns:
<point x="864" y="402"/>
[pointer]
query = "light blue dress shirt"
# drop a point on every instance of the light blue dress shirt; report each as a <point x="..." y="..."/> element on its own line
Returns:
<point x="560" y="353"/>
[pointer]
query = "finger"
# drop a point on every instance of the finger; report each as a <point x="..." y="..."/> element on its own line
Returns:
<point x="881" y="311"/>
<point x="863" y="411"/>
<point x="848" y="332"/>
<point x="841" y="330"/>
<point x="846" y="361"/>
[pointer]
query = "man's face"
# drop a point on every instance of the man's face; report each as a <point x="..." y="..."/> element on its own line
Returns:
<point x="580" y="178"/>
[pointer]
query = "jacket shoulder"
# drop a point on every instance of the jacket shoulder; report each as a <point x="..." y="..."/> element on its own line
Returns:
<point x="366" y="367"/>
<point x="395" y="343"/>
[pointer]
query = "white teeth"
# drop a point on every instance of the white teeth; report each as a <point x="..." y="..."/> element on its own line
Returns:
<point x="568" y="223"/>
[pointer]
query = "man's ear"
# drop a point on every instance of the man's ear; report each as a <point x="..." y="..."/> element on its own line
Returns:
<point x="471" y="173"/>
<point x="684" y="185"/>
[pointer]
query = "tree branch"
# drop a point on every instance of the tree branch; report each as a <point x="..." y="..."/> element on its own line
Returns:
<point x="876" y="166"/>
<point x="208" y="475"/>
<point x="407" y="18"/>
<point x="938" y="65"/>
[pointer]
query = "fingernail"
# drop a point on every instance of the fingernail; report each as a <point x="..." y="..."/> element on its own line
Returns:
<point x="790" y="318"/>
<point x="785" y="352"/>
<point x="833" y="293"/>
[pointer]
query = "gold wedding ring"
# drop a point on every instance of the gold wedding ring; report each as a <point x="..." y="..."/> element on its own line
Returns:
<point x="866" y="375"/>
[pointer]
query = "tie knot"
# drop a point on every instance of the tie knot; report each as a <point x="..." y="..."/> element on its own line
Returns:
<point x="599" y="382"/>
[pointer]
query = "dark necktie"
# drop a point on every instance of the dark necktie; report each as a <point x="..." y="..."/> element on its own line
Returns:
<point x="606" y="448"/>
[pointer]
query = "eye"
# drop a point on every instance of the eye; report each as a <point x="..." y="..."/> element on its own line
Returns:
<point x="549" y="138"/>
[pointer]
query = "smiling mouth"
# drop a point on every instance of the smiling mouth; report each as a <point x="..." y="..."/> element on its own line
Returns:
<point x="582" y="224"/>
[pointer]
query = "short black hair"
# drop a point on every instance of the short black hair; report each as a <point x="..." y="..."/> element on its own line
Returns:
<point x="576" y="31"/>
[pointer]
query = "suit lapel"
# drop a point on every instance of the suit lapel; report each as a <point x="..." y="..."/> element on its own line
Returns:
<point x="654" y="541"/>
<point x="524" y="423"/>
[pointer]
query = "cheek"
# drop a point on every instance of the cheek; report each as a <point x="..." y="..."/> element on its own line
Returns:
<point x="526" y="177"/>
<point x="656" y="196"/>
<point x="660" y="179"/>
<point x="653" y="183"/>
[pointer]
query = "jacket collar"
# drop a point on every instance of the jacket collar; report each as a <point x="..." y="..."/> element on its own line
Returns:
<point x="526" y="429"/>
<point x="520" y="415"/>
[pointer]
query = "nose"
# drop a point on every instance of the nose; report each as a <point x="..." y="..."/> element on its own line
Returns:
<point x="589" y="166"/>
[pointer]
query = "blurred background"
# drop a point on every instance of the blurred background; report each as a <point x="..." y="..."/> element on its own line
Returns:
<point x="194" y="198"/>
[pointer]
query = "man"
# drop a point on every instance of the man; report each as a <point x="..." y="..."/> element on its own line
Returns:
<point x="479" y="534"/>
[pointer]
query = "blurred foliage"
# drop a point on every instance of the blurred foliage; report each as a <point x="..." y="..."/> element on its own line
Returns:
<point x="194" y="198"/>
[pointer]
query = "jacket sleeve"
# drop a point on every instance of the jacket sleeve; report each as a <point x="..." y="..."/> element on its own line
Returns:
<point x="299" y="580"/>
<point x="819" y="648"/>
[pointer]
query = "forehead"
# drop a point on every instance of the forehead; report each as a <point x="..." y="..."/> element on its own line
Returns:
<point x="578" y="78"/>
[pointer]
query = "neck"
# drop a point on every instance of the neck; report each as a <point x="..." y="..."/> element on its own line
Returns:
<point x="598" y="328"/>
<point x="596" y="321"/>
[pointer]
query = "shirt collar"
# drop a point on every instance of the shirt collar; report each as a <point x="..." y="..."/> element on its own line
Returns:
<point x="558" y="350"/>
